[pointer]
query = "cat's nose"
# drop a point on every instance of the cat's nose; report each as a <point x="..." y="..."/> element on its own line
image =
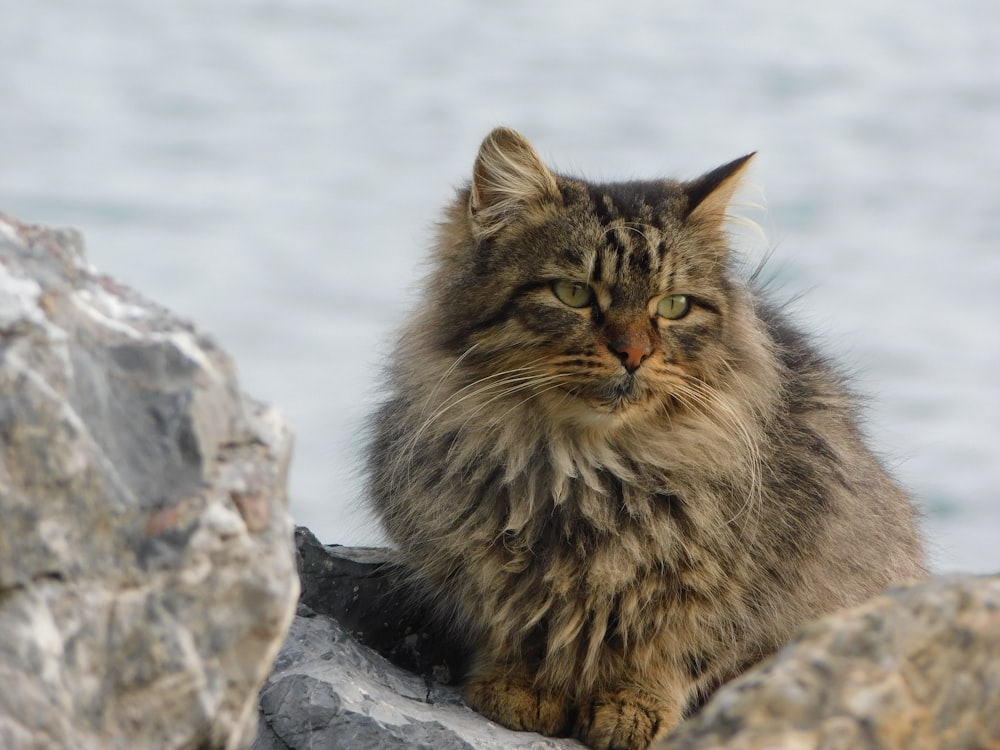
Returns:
<point x="632" y="351"/>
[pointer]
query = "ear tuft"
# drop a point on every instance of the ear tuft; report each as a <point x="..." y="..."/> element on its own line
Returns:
<point x="508" y="176"/>
<point x="709" y="196"/>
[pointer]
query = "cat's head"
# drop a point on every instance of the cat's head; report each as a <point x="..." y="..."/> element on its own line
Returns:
<point x="597" y="299"/>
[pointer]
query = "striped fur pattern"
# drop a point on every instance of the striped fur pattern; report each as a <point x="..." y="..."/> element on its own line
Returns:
<point x="623" y="509"/>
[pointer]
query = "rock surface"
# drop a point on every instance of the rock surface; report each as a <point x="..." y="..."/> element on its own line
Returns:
<point x="147" y="574"/>
<point x="916" y="668"/>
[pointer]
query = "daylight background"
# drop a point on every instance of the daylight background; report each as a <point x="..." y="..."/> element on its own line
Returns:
<point x="273" y="170"/>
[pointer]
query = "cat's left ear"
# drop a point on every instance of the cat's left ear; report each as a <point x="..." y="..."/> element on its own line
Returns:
<point x="709" y="196"/>
<point x="508" y="177"/>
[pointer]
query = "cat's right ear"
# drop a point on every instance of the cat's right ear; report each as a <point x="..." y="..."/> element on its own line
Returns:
<point x="508" y="177"/>
<point x="709" y="196"/>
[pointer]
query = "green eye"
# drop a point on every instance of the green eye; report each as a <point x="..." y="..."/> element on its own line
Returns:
<point x="573" y="293"/>
<point x="674" y="306"/>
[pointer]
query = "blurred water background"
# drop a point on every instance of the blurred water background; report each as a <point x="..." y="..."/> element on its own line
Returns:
<point x="273" y="171"/>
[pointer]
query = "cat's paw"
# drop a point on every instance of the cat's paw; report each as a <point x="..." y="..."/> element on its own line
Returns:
<point x="623" y="720"/>
<point x="513" y="701"/>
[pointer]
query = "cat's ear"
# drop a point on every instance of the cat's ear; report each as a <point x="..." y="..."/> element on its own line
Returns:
<point x="508" y="177"/>
<point x="709" y="196"/>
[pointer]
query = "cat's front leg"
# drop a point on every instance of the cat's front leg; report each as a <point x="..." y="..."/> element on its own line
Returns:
<point x="508" y="696"/>
<point x="625" y="719"/>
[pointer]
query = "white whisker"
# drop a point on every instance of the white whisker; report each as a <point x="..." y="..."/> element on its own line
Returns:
<point x="706" y="400"/>
<point x="495" y="386"/>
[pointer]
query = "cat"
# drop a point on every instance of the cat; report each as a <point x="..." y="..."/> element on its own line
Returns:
<point x="611" y="460"/>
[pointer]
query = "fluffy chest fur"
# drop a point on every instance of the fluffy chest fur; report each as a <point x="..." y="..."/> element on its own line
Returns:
<point x="587" y="556"/>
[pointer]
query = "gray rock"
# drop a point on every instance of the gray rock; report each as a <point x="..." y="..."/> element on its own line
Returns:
<point x="916" y="668"/>
<point x="147" y="573"/>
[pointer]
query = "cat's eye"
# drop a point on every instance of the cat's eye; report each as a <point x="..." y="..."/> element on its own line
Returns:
<point x="573" y="293"/>
<point x="673" y="306"/>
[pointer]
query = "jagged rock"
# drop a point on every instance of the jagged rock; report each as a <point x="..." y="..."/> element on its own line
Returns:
<point x="147" y="573"/>
<point x="916" y="668"/>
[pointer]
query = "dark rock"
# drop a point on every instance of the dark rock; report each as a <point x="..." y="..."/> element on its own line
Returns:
<point x="361" y="589"/>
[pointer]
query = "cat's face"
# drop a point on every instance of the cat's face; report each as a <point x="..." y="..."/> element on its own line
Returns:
<point x="594" y="299"/>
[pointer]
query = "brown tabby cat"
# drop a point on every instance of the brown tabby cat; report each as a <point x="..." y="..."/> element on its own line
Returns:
<point x="611" y="461"/>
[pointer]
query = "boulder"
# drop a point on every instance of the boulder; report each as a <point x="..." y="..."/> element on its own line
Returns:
<point x="918" y="667"/>
<point x="147" y="570"/>
<point x="915" y="669"/>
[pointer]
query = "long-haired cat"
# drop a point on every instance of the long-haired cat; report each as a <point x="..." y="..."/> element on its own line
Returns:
<point x="614" y="464"/>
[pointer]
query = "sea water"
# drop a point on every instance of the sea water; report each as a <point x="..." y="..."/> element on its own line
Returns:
<point x="273" y="170"/>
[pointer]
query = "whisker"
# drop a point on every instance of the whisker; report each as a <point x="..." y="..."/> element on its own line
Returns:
<point x="632" y="227"/>
<point x="501" y="384"/>
<point x="707" y="401"/>
<point x="538" y="384"/>
<point x="554" y="382"/>
<point x="451" y="368"/>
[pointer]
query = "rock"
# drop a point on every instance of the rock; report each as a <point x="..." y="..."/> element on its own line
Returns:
<point x="329" y="690"/>
<point x="360" y="588"/>
<point x="916" y="668"/>
<point x="147" y="574"/>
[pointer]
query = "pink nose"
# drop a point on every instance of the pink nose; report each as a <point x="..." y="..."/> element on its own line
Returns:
<point x="631" y="351"/>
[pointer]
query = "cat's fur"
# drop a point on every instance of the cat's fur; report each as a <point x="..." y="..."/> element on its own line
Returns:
<point x="623" y="511"/>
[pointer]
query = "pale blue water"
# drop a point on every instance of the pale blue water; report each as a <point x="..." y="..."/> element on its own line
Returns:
<point x="273" y="169"/>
